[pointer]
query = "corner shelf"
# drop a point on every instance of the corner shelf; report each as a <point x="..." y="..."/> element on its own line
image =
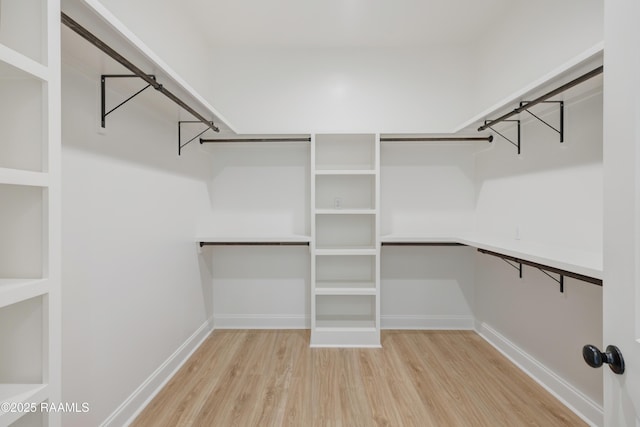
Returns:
<point x="580" y="262"/>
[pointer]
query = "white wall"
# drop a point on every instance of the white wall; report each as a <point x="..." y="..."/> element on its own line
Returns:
<point x="553" y="194"/>
<point x="261" y="287"/>
<point x="364" y="89"/>
<point x="135" y="287"/>
<point x="427" y="188"/>
<point x="334" y="90"/>
<point x="259" y="190"/>
<point x="167" y="31"/>
<point x="533" y="39"/>
<point x="427" y="287"/>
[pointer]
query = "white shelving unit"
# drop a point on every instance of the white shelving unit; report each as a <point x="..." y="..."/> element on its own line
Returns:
<point x="345" y="250"/>
<point x="30" y="207"/>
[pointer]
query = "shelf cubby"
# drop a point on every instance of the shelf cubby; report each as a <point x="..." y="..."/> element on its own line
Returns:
<point x="334" y="269"/>
<point x="346" y="311"/>
<point x="21" y="334"/>
<point x="23" y="28"/>
<point x="21" y="232"/>
<point x="21" y="132"/>
<point x="345" y="152"/>
<point x="348" y="192"/>
<point x="345" y="231"/>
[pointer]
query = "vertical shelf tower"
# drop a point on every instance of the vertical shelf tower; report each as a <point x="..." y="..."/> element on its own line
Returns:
<point x="30" y="122"/>
<point x="345" y="250"/>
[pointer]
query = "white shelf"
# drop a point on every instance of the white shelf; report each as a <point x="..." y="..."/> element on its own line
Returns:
<point x="345" y="288"/>
<point x="20" y="393"/>
<point x="355" y="323"/>
<point x="570" y="259"/>
<point x="343" y="171"/>
<point x="17" y="61"/>
<point x="13" y="291"/>
<point x="23" y="177"/>
<point x="578" y="261"/>
<point x="345" y="211"/>
<point x="364" y="250"/>
<point x="257" y="239"/>
<point x="399" y="238"/>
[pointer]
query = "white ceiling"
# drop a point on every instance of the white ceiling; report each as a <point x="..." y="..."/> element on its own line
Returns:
<point x="343" y="23"/>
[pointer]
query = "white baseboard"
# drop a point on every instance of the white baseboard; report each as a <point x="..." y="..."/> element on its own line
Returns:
<point x="140" y="398"/>
<point x="261" y="321"/>
<point x="574" y="399"/>
<point x="420" y="322"/>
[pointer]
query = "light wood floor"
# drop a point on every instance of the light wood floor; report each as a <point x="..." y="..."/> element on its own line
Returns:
<point x="418" y="378"/>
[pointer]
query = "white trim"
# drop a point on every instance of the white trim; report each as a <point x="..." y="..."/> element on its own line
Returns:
<point x="426" y="322"/>
<point x="261" y="321"/>
<point x="571" y="397"/>
<point x="127" y="412"/>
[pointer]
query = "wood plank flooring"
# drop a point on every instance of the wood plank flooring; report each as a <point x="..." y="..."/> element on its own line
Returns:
<point x="419" y="378"/>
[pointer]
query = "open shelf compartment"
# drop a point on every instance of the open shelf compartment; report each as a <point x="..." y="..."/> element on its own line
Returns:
<point x="21" y="132"/>
<point x="340" y="275"/>
<point x="22" y="336"/>
<point x="345" y="232"/>
<point x="23" y="28"/>
<point x="353" y="312"/>
<point x="345" y="192"/>
<point x="21" y="231"/>
<point x="345" y="152"/>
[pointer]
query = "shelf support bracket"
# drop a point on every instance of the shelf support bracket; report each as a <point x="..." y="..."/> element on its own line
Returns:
<point x="181" y="145"/>
<point x="559" y="281"/>
<point x="517" y="267"/>
<point x="103" y="94"/>
<point x="515" y="144"/>
<point x="560" y="110"/>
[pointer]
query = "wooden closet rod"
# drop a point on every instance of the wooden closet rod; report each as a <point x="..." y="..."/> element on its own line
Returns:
<point x="208" y="141"/>
<point x="439" y="138"/>
<point x="544" y="97"/>
<point x="84" y="33"/>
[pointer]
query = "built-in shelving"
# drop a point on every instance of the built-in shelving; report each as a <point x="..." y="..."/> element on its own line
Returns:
<point x="345" y="252"/>
<point x="29" y="207"/>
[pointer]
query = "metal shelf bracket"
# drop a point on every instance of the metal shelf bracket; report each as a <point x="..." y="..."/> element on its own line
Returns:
<point x="543" y="268"/>
<point x="488" y="124"/>
<point x="181" y="145"/>
<point x="103" y="94"/>
<point x="560" y="110"/>
<point x="560" y="280"/>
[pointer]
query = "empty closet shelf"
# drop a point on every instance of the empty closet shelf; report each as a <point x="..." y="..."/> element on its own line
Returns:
<point x="292" y="240"/>
<point x="580" y="262"/>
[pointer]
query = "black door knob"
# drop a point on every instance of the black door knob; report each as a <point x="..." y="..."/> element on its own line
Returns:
<point x="595" y="358"/>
